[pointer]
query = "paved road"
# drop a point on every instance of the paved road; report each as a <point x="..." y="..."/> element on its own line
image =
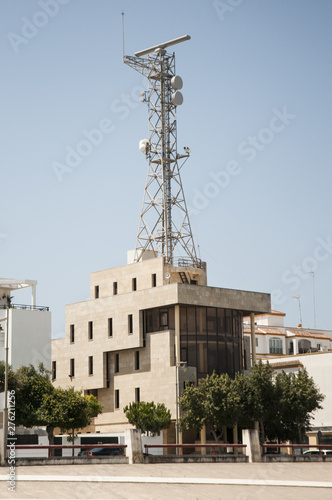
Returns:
<point x="289" y="481"/>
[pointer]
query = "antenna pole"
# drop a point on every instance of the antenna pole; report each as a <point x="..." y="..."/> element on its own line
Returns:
<point x="123" y="44"/>
<point x="314" y="296"/>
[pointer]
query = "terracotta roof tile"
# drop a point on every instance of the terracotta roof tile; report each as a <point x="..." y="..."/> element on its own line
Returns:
<point x="303" y="333"/>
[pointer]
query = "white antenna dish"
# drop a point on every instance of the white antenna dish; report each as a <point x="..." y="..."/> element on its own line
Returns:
<point x="144" y="145"/>
<point x="177" y="98"/>
<point x="167" y="276"/>
<point x="176" y="82"/>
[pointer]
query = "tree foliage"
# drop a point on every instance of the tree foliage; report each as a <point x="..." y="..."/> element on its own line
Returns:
<point x="32" y="386"/>
<point x="68" y="409"/>
<point x="148" y="417"/>
<point x="283" y="404"/>
<point x="213" y="403"/>
<point x="11" y="377"/>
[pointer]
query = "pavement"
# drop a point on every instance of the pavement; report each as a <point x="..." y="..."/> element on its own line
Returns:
<point x="235" y="481"/>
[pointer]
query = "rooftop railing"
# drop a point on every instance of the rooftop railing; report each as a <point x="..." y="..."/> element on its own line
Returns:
<point x="24" y="306"/>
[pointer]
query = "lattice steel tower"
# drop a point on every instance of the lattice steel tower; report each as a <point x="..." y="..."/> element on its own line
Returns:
<point x="164" y="224"/>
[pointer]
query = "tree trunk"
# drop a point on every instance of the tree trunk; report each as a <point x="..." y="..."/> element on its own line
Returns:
<point x="73" y="441"/>
<point x="261" y="423"/>
<point x="50" y="435"/>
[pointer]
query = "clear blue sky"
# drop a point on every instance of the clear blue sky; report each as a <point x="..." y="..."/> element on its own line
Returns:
<point x="257" y="115"/>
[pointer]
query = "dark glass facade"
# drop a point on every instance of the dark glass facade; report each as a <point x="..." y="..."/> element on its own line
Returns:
<point x="211" y="339"/>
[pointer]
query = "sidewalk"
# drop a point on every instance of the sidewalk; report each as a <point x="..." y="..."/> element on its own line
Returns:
<point x="173" y="481"/>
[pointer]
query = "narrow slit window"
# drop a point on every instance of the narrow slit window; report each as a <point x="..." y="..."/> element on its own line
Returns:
<point x="137" y="395"/>
<point x="115" y="288"/>
<point x="136" y="360"/>
<point x="72" y="334"/>
<point x="110" y="327"/>
<point x="134" y="284"/>
<point x="90" y="330"/>
<point x="53" y="370"/>
<point x="72" y="368"/>
<point x="90" y="365"/>
<point x="154" y="280"/>
<point x="97" y="292"/>
<point x="130" y="323"/>
<point x="117" y="399"/>
<point x="117" y="363"/>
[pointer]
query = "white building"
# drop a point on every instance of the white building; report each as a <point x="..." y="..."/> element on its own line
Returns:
<point x="292" y="349"/>
<point x="273" y="338"/>
<point x="28" y="327"/>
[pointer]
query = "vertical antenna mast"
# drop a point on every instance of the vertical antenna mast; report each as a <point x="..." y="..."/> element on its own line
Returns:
<point x="164" y="224"/>
<point x="123" y="44"/>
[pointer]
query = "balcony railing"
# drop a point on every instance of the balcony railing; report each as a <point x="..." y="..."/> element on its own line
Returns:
<point x="24" y="306"/>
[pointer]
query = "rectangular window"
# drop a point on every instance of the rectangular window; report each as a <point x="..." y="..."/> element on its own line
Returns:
<point x="134" y="284"/>
<point x="72" y="368"/>
<point x="318" y="347"/>
<point x="110" y="327"/>
<point x="117" y="399"/>
<point x="256" y="342"/>
<point x="90" y="330"/>
<point x="96" y="292"/>
<point x="137" y="360"/>
<point x="130" y="323"/>
<point x="163" y="319"/>
<point x="117" y="363"/>
<point x="90" y="365"/>
<point x="72" y="334"/>
<point x="53" y="370"/>
<point x="115" y="288"/>
<point x="137" y="395"/>
<point x="154" y="280"/>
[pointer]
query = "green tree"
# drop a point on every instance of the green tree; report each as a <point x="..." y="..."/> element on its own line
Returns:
<point x="264" y="402"/>
<point x="69" y="410"/>
<point x="298" y="398"/>
<point x="213" y="403"/>
<point x="148" y="417"/>
<point x="11" y="377"/>
<point x="32" y="386"/>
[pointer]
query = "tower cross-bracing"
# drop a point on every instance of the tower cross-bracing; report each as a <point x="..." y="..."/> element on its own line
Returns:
<point x="164" y="223"/>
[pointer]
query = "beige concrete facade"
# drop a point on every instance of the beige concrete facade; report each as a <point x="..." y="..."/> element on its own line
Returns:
<point x="105" y="335"/>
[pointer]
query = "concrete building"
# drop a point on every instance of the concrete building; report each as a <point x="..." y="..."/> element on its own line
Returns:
<point x="28" y="327"/>
<point x="273" y="338"/>
<point x="295" y="348"/>
<point x="154" y="323"/>
<point x="29" y="332"/>
<point x="144" y="332"/>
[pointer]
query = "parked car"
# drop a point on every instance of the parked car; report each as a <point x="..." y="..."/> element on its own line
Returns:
<point x="102" y="452"/>
<point x="317" y="452"/>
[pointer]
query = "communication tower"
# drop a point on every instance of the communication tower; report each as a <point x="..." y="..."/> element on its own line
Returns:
<point x="164" y="223"/>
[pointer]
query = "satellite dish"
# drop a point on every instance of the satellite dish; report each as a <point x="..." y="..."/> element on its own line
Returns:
<point x="177" y="98"/>
<point x="144" y="145"/>
<point x="177" y="82"/>
<point x="167" y="276"/>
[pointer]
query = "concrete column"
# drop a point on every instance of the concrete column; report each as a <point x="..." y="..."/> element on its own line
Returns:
<point x="253" y="338"/>
<point x="134" y="451"/>
<point x="253" y="449"/>
<point x="33" y="295"/>
<point x="177" y="334"/>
